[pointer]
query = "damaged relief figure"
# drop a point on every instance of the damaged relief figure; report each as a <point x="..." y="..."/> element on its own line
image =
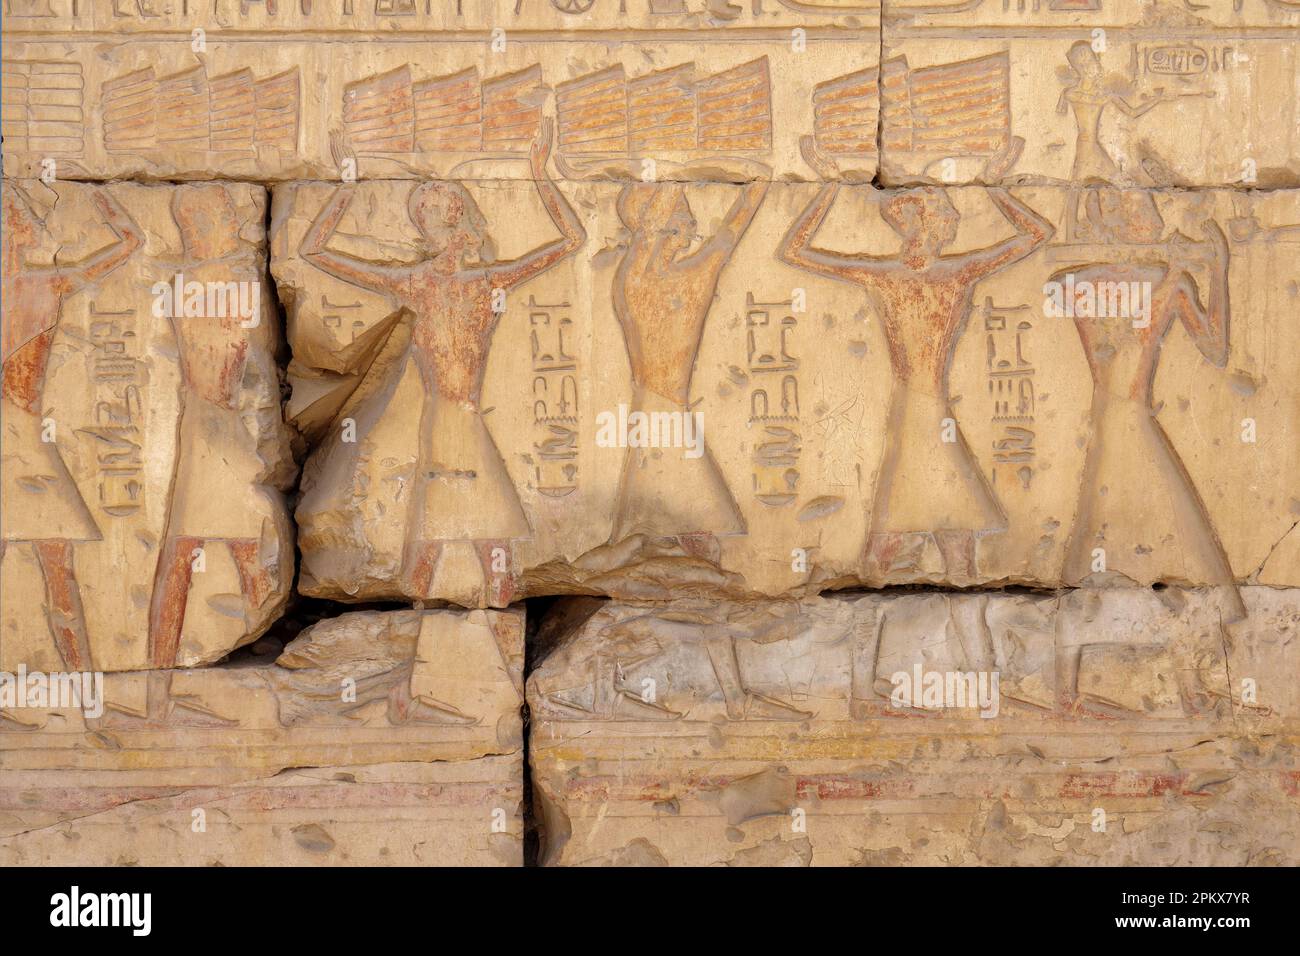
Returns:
<point x="42" y="505"/>
<point x="924" y="297"/>
<point x="460" y="475"/>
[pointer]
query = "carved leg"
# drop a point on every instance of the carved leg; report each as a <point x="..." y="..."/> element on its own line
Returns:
<point x="604" y="685"/>
<point x="866" y="651"/>
<point x="1076" y="231"/>
<point x="406" y="708"/>
<point x="158" y="697"/>
<point x="500" y="583"/>
<point x="969" y="616"/>
<point x="1095" y="226"/>
<point x="67" y="618"/>
<point x="881" y="551"/>
<point x="171" y="589"/>
<point x="958" y="550"/>
<point x="612" y="702"/>
<point x="418" y="565"/>
<point x="742" y="703"/>
<point x="254" y="579"/>
<point x="1234" y="607"/>
<point x="1067" y="679"/>
<point x="162" y="708"/>
<point x="722" y="655"/>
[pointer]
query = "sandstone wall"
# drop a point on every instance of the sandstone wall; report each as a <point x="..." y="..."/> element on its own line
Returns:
<point x="720" y="372"/>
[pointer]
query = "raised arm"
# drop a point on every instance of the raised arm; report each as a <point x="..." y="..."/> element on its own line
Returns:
<point x="721" y="244"/>
<point x="796" y="248"/>
<point x="374" y="276"/>
<point x="99" y="264"/>
<point x="1032" y="230"/>
<point x="1208" y="327"/>
<point x="572" y="234"/>
<point x="1128" y="109"/>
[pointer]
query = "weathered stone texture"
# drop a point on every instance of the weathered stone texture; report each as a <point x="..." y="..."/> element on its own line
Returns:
<point x="317" y="108"/>
<point x="865" y="418"/>
<point x="773" y="734"/>
<point x="1139" y="93"/>
<point x="389" y="738"/>
<point x="357" y="19"/>
<point x="144" y="447"/>
<point x="724" y="311"/>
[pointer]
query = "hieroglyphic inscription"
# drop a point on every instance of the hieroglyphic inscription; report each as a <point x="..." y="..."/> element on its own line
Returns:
<point x="410" y="16"/>
<point x="773" y="400"/>
<point x="119" y="379"/>
<point x="1011" y="387"/>
<point x="555" y="397"/>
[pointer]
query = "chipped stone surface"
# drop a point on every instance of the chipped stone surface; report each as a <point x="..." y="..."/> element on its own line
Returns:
<point x="697" y="733"/>
<point x="144" y="448"/>
<point x="1070" y="450"/>
<point x="389" y="738"/>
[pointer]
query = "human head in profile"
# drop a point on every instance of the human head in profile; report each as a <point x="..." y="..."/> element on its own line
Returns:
<point x="923" y="295"/>
<point x="1088" y="92"/>
<point x="451" y="298"/>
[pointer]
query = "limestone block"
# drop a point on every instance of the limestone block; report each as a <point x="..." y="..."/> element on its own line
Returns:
<point x="838" y="385"/>
<point x="674" y="105"/>
<point x="1093" y="726"/>
<point x="1139" y="93"/>
<point x="377" y="738"/>
<point x="144" y="447"/>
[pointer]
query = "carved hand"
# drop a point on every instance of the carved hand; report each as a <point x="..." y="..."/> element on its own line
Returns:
<point x="117" y="217"/>
<point x="1001" y="163"/>
<point x="541" y="150"/>
<point x="813" y="155"/>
